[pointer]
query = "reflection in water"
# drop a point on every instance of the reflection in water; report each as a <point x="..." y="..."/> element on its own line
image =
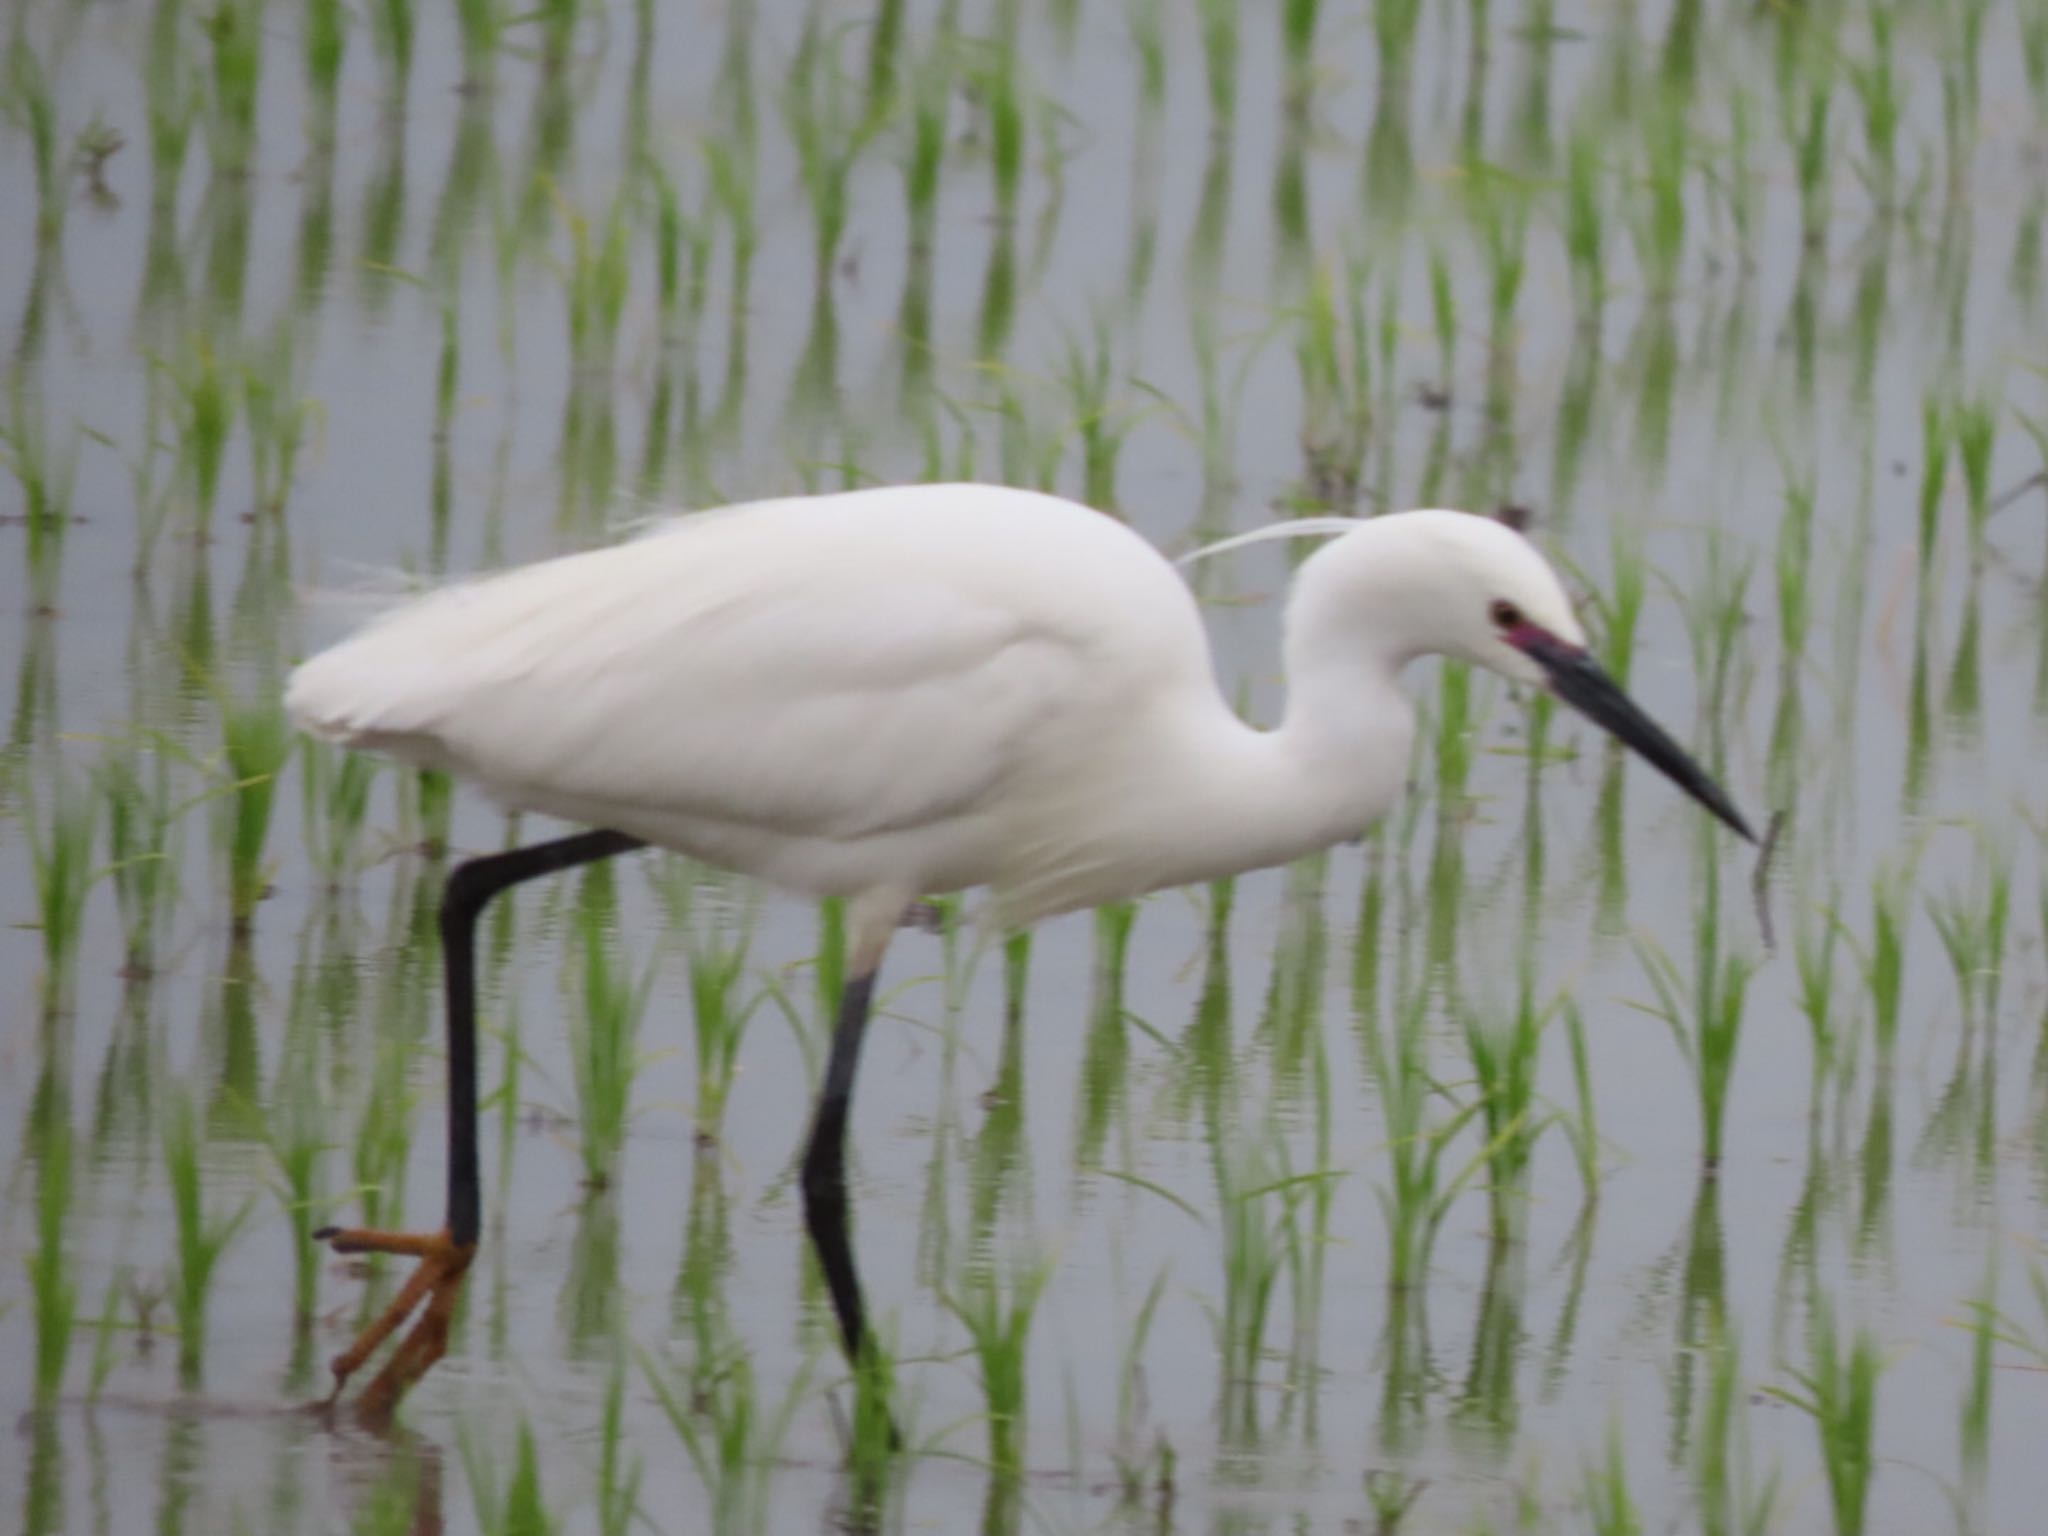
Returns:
<point x="999" y="1176"/>
<point x="590" y="1302"/>
<point x="1488" y="1405"/>
<point x="1702" y="1321"/>
<point x="1716" y="268"/>
<point x="1106" y="1056"/>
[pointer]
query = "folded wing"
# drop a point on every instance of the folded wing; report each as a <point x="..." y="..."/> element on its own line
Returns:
<point x="697" y="674"/>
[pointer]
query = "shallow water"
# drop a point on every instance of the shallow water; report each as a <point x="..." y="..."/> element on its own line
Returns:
<point x="389" y="301"/>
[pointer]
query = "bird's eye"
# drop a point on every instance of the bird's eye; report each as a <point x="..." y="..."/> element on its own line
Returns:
<point x="1504" y="614"/>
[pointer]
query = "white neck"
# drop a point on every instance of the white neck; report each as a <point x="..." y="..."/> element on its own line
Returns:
<point x="1241" y="798"/>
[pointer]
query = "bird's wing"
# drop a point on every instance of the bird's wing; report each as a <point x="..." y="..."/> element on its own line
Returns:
<point x="802" y="702"/>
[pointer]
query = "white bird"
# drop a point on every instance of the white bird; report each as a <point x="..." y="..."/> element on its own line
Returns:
<point x="887" y="694"/>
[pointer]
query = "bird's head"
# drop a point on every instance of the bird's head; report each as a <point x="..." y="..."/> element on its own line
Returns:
<point x="1450" y="583"/>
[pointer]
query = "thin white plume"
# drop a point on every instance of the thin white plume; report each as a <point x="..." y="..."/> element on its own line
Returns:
<point x="1294" y="528"/>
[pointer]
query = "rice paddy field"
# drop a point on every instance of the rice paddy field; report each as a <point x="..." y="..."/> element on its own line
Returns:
<point x="1544" y="1161"/>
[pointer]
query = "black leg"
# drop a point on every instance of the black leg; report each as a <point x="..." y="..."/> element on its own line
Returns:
<point x="471" y="885"/>
<point x="444" y="1256"/>
<point x="825" y="1166"/>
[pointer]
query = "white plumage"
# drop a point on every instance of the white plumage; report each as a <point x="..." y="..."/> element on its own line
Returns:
<point x="897" y="692"/>
<point x="888" y="693"/>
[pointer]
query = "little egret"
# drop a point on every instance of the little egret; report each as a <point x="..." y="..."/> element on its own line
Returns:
<point x="887" y="694"/>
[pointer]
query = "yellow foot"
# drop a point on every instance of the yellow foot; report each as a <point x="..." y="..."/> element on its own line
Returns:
<point x="437" y="1281"/>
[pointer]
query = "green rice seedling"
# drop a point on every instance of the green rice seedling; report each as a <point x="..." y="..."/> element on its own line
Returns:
<point x="1132" y="1463"/>
<point x="829" y="130"/>
<point x="1106" y="1054"/>
<point x="518" y="1507"/>
<point x="60" y="853"/>
<point x="1741" y="180"/>
<point x="2033" y="28"/>
<point x="1394" y="28"/>
<point x="1443" y="309"/>
<point x="1732" y="1501"/>
<point x="53" y="1289"/>
<point x="1838" y="1391"/>
<point x="929" y="100"/>
<point x="998" y="1173"/>
<point x="998" y="1320"/>
<point x="731" y="1436"/>
<point x="1716" y="614"/>
<point x="200" y="1238"/>
<point x="105" y="1328"/>
<point x="1219" y="57"/>
<point x="1499" y="205"/>
<point x="557" y="21"/>
<point x="173" y="105"/>
<point x="383" y="1138"/>
<point x="676" y="235"/>
<point x="1392" y="1495"/>
<point x="1585" y="226"/>
<point x="1100" y="421"/>
<point x="31" y="104"/>
<point x="1333" y="355"/>
<point x="1660" y="224"/>
<point x="1609" y="1503"/>
<point x="234" y="33"/>
<point x="1298" y="38"/>
<point x="1794" y="565"/>
<point x="1505" y="1053"/>
<point x="257" y="740"/>
<point x="142" y="823"/>
<point x="618" y="1470"/>
<point x="1972" y="926"/>
<point x="885" y="50"/>
<point x="277" y="417"/>
<point x="203" y="404"/>
<point x="596" y="284"/>
<point x="589" y="1305"/>
<point x="1582" y="1128"/>
<point x="45" y="477"/>
<point x="335" y="803"/>
<point x="325" y="42"/>
<point x="1576" y="413"/>
<point x="1653" y="363"/>
<point x="1419" y="1190"/>
<point x="1813" y="955"/>
<point x="394" y="27"/>
<point x="1620" y="602"/>
<point x="313" y="255"/>
<point x="480" y="23"/>
<point x="1975" y="425"/>
<point x="1977" y="1392"/>
<point x="1256" y="1247"/>
<point x="1815" y="166"/>
<point x="605" y="1032"/>
<point x="828" y="964"/>
<point x="719" y="1014"/>
<point x="1291" y="1025"/>
<point x="400" y="1499"/>
<point x="1879" y="93"/>
<point x="2012" y="1331"/>
<point x="43" y="1488"/>
<point x="296" y="1126"/>
<point x="426" y="801"/>
<point x="1884" y="962"/>
<point x="1937" y="429"/>
<point x="1488" y="1405"/>
<point x="1704" y="1016"/>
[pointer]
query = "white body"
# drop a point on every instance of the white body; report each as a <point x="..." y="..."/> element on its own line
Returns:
<point x="889" y="693"/>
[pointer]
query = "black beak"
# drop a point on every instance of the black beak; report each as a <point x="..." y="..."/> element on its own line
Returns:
<point x="1579" y="680"/>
